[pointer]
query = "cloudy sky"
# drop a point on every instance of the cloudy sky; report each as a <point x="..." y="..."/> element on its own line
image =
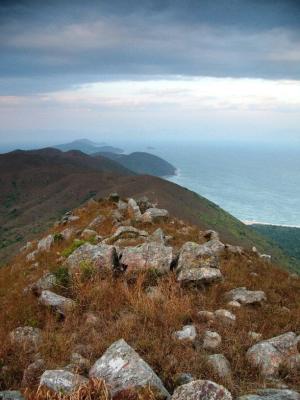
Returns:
<point x="226" y="69"/>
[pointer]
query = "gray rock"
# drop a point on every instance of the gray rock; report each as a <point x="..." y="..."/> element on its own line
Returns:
<point x="46" y="282"/>
<point x="244" y="296"/>
<point x="225" y="317"/>
<point x="155" y="215"/>
<point x="88" y="234"/>
<point x="31" y="256"/>
<point x="150" y="255"/>
<point x="73" y="218"/>
<point x="234" y="249"/>
<point x="216" y="246"/>
<point x="266" y="257"/>
<point x="183" y="379"/>
<point x="200" y="276"/>
<point x="11" y="395"/>
<point x="220" y="365"/>
<point x="211" y="340"/>
<point x="122" y="368"/>
<point x="201" y="390"/>
<point x="26" y="338"/>
<point x="100" y="256"/>
<point x="68" y="233"/>
<point x="62" y="305"/>
<point x="62" y="381"/>
<point x="234" y="304"/>
<point x="206" y="316"/>
<point x="46" y="243"/>
<point x="126" y="232"/>
<point x="122" y="206"/>
<point x="158" y="236"/>
<point x="272" y="394"/>
<point x="188" y="332"/>
<point x="269" y="355"/>
<point x="144" y="203"/>
<point x="134" y="210"/>
<point x="195" y="256"/>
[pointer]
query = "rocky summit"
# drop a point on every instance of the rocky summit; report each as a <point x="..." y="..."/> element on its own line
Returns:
<point x="120" y="300"/>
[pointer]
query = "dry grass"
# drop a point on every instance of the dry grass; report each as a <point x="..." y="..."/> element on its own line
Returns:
<point x="126" y="311"/>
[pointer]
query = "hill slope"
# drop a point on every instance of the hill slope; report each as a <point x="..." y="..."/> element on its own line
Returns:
<point x="143" y="163"/>
<point x="38" y="186"/>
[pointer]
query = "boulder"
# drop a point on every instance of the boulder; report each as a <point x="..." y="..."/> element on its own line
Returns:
<point x="234" y="304"/>
<point x="158" y="236"/>
<point x="27" y="338"/>
<point x="134" y="211"/>
<point x="210" y="235"/>
<point x="11" y="395"/>
<point x="216" y="246"/>
<point x="206" y="316"/>
<point x="244" y="296"/>
<point x="188" y="332"/>
<point x="199" y="276"/>
<point x="269" y="355"/>
<point x="100" y="256"/>
<point x="46" y="243"/>
<point x="88" y="234"/>
<point x="126" y="232"/>
<point x="62" y="305"/>
<point x="195" y="256"/>
<point x="272" y="394"/>
<point x="225" y="317"/>
<point x="61" y="381"/>
<point x="201" y="390"/>
<point x="155" y="215"/>
<point x="122" y="368"/>
<point x="219" y="365"/>
<point x="46" y="282"/>
<point x="211" y="340"/>
<point x="68" y="233"/>
<point x="150" y="255"/>
<point x="122" y="206"/>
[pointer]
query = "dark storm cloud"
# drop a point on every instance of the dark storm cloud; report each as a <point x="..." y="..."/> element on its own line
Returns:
<point x="46" y="45"/>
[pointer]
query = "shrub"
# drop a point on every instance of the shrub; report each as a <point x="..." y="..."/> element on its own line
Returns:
<point x="69" y="250"/>
<point x="58" y="237"/>
<point x="62" y="277"/>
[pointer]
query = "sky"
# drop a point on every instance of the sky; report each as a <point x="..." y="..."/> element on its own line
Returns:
<point x="109" y="69"/>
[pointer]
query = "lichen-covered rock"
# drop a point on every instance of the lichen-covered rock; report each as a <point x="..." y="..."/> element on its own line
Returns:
<point x="150" y="255"/>
<point x="269" y="355"/>
<point x="100" y="256"/>
<point x="62" y="305"/>
<point x="155" y="215"/>
<point x="27" y="338"/>
<point x="46" y="243"/>
<point x="244" y="296"/>
<point x="62" y="381"/>
<point x="158" y="236"/>
<point x="126" y="232"/>
<point x="219" y="365"/>
<point x="122" y="368"/>
<point x="272" y="394"/>
<point x="199" y="276"/>
<point x="188" y="332"/>
<point x="226" y="317"/>
<point x="201" y="390"/>
<point x="211" y="340"/>
<point x="134" y="211"/>
<point x="216" y="246"/>
<point x="194" y="256"/>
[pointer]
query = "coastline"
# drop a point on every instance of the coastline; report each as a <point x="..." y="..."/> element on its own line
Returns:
<point x="269" y="224"/>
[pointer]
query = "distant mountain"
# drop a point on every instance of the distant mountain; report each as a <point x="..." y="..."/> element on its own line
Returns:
<point x="38" y="186"/>
<point x="87" y="146"/>
<point x="143" y="163"/>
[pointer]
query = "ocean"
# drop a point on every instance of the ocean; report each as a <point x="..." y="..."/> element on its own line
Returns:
<point x="255" y="183"/>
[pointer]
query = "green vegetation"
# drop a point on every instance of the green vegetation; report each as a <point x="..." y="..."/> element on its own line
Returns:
<point x="62" y="277"/>
<point x="69" y="250"/>
<point x="287" y="238"/>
